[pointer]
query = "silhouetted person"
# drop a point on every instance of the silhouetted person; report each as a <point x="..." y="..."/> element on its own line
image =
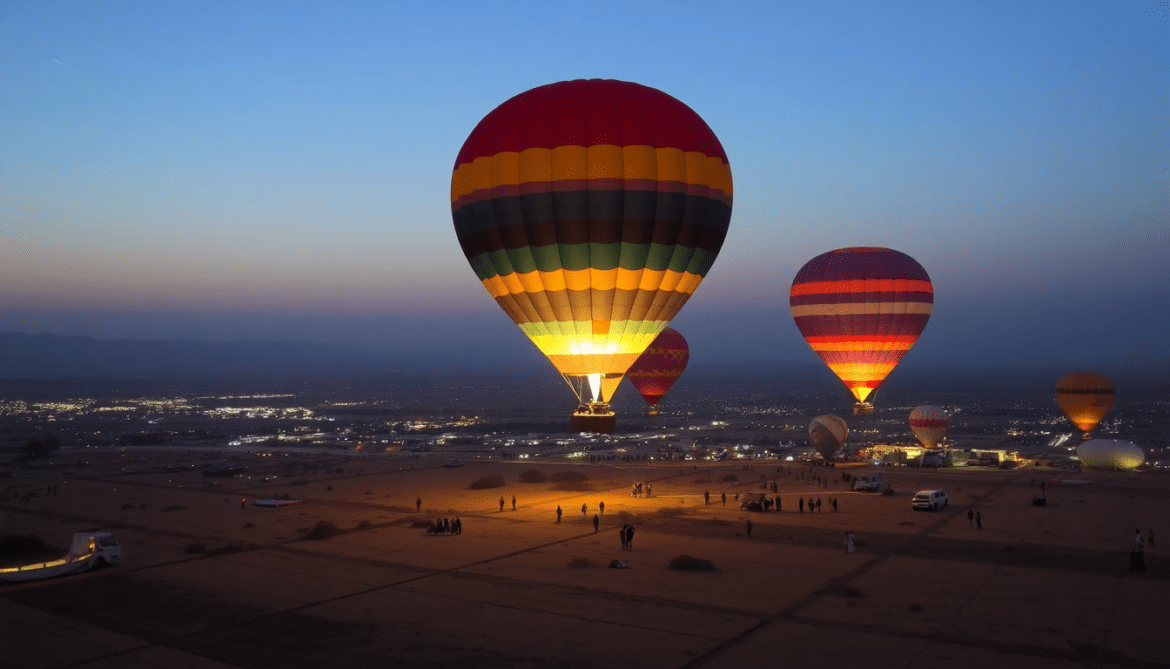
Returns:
<point x="971" y="517"/>
<point x="630" y="537"/>
<point x="622" y="535"/>
<point x="818" y="505"/>
<point x="458" y="526"/>
<point x="848" y="542"/>
<point x="418" y="504"/>
<point x="601" y="506"/>
<point x="706" y="497"/>
<point x="777" y="503"/>
<point x="800" y="503"/>
<point x="513" y="502"/>
<point x="724" y="499"/>
<point x="584" y="509"/>
<point x="978" y="520"/>
<point x="833" y="501"/>
<point x="242" y="503"/>
<point x="748" y="527"/>
<point x="559" y="512"/>
<point x="596" y="522"/>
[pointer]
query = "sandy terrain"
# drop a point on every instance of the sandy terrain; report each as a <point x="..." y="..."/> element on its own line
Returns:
<point x="1037" y="587"/>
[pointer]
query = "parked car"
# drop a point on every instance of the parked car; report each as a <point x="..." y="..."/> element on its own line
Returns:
<point x="929" y="499"/>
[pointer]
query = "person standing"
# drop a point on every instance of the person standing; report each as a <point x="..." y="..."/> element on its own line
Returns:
<point x="1138" y="555"/>
<point x="584" y="509"/>
<point x="513" y="502"/>
<point x="971" y="517"/>
<point x="978" y="520"/>
<point x="601" y="507"/>
<point x="622" y="535"/>
<point x="630" y="537"/>
<point x="501" y="504"/>
<point x="724" y="497"/>
<point x="833" y="502"/>
<point x="748" y="526"/>
<point x="596" y="522"/>
<point x="706" y="497"/>
<point x="777" y="503"/>
<point x="848" y="542"/>
<point x="418" y="504"/>
<point x="559" y="512"/>
<point x="458" y="525"/>
<point x="800" y="503"/>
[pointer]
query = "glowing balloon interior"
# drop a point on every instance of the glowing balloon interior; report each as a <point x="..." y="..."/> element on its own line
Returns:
<point x="861" y="310"/>
<point x="591" y="210"/>
<point x="828" y="434"/>
<point x="1085" y="397"/>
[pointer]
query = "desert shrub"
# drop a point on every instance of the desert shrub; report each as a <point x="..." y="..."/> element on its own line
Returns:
<point x="247" y="525"/>
<point x="580" y="563"/>
<point x="690" y="563"/>
<point x="730" y="478"/>
<point x="533" y="476"/>
<point x="490" y="481"/>
<point x="571" y="477"/>
<point x="364" y="525"/>
<point x="322" y="530"/>
<point x="196" y="547"/>
<point x="174" y="507"/>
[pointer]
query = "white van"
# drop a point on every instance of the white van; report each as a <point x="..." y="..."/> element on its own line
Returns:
<point x="929" y="499"/>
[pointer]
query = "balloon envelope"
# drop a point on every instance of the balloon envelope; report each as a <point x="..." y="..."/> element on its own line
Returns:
<point x="1110" y="454"/>
<point x="828" y="434"/>
<point x="659" y="366"/>
<point x="861" y="309"/>
<point x="929" y="424"/>
<point x="591" y="210"/>
<point x="1085" y="397"/>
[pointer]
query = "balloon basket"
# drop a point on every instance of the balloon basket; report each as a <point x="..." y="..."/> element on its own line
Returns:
<point x="863" y="409"/>
<point x="595" y="422"/>
<point x="652" y="412"/>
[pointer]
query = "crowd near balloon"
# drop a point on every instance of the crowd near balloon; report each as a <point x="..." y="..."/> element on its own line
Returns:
<point x="592" y="210"/>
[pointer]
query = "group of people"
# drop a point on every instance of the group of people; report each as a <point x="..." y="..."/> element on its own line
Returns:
<point x="1137" y="555"/>
<point x="639" y="489"/>
<point x="814" y="504"/>
<point x="445" y="526"/>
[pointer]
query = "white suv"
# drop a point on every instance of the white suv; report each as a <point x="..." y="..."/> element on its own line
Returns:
<point x="929" y="499"/>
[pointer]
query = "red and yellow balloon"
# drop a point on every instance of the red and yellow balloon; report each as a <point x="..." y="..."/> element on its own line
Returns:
<point x="591" y="210"/>
<point x="1085" y="397"/>
<point x="861" y="310"/>
<point x="655" y="371"/>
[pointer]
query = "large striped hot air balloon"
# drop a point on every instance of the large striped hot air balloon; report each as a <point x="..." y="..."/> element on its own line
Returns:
<point x="659" y="366"/>
<point x="1085" y="397"/>
<point x="929" y="424"/>
<point x="591" y="210"/>
<point x="861" y="309"/>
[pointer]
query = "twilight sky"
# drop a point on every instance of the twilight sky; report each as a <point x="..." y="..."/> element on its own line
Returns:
<point x="281" y="170"/>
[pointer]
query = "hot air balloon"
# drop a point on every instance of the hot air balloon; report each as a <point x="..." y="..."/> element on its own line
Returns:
<point x="929" y="424"/>
<point x="828" y="434"/>
<point x="861" y="309"/>
<point x="591" y="210"/>
<point x="1085" y="397"/>
<point x="1110" y="454"/>
<point x="659" y="366"/>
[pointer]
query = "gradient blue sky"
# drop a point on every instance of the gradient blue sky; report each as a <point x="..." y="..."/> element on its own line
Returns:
<point x="281" y="170"/>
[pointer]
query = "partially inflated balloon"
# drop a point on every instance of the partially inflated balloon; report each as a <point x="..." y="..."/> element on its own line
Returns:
<point x="828" y="434"/>
<point x="659" y="366"/>
<point x="929" y="424"/>
<point x="1085" y="397"/>
<point x="591" y="210"/>
<point x="861" y="309"/>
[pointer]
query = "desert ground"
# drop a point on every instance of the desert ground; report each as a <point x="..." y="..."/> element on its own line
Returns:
<point x="206" y="581"/>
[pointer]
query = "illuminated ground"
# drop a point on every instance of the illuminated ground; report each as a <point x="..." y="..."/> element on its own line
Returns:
<point x="1037" y="587"/>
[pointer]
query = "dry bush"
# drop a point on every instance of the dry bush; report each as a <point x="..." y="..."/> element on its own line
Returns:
<point x="690" y="563"/>
<point x="491" y="481"/>
<point x="533" y="476"/>
<point x="322" y="530"/>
